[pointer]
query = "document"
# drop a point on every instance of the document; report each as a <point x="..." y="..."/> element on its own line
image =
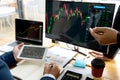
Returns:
<point x="5" y="48"/>
<point x="59" y="55"/>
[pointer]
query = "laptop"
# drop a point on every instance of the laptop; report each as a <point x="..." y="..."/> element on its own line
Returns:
<point x="28" y="31"/>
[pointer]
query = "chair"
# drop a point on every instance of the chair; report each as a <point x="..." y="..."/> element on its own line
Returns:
<point x="5" y="13"/>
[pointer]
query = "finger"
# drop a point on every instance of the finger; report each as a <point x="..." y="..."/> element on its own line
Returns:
<point x="91" y="53"/>
<point x="95" y="54"/>
<point x="93" y="33"/>
<point x="45" y="68"/>
<point x="51" y="66"/>
<point x="96" y="29"/>
<point x="20" y="45"/>
<point x="55" y="66"/>
<point x="46" y="65"/>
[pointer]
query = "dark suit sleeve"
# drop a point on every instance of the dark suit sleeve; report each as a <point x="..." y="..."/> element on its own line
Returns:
<point x="4" y="71"/>
<point x="46" y="78"/>
<point x="8" y="58"/>
<point x="116" y="24"/>
<point x="118" y="39"/>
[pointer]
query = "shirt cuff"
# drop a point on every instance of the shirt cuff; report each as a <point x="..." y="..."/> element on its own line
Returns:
<point x="49" y="75"/>
<point x="118" y="39"/>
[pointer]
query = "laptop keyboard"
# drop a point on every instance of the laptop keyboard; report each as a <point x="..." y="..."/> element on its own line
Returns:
<point x="14" y="43"/>
<point x="17" y="42"/>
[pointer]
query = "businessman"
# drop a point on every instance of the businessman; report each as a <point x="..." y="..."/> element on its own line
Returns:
<point x="10" y="59"/>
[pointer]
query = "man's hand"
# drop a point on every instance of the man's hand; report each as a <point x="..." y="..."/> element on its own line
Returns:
<point x="104" y="35"/>
<point x="16" y="50"/>
<point x="52" y="69"/>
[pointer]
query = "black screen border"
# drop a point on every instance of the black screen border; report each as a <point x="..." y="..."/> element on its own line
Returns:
<point x="29" y="40"/>
<point x="103" y="48"/>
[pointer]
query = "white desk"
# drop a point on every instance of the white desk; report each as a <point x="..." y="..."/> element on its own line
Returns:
<point x="111" y="71"/>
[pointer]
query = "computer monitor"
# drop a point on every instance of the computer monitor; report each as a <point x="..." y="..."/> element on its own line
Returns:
<point x="29" y="31"/>
<point x="69" y="21"/>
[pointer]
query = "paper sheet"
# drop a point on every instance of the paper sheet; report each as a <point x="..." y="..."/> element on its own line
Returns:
<point x="5" y="48"/>
<point x="59" y="55"/>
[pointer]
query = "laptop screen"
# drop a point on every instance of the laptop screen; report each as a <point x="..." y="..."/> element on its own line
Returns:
<point x="29" y="31"/>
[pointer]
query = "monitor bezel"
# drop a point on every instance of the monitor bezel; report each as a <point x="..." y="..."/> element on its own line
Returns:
<point x="81" y="44"/>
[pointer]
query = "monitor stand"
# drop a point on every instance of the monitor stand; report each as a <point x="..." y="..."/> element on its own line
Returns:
<point x="54" y="41"/>
<point x="76" y="48"/>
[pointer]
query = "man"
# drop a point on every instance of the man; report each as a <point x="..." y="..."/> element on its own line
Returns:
<point x="9" y="59"/>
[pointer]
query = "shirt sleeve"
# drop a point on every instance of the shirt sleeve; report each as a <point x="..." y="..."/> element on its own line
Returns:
<point x="8" y="58"/>
<point x="48" y="77"/>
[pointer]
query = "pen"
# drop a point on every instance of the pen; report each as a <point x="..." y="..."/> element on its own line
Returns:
<point x="82" y="53"/>
<point x="50" y="66"/>
<point x="16" y="78"/>
<point x="68" y="62"/>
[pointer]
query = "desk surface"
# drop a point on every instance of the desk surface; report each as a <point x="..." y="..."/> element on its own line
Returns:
<point x="111" y="71"/>
<point x="112" y="68"/>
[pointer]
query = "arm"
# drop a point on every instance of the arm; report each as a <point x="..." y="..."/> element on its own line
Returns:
<point x="8" y="58"/>
<point x="118" y="39"/>
<point x="116" y="24"/>
<point x="4" y="71"/>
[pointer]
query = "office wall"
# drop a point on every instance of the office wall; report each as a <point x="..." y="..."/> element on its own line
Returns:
<point x="34" y="9"/>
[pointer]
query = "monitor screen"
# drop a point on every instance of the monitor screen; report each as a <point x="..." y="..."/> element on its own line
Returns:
<point x="29" y="31"/>
<point x="69" y="22"/>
